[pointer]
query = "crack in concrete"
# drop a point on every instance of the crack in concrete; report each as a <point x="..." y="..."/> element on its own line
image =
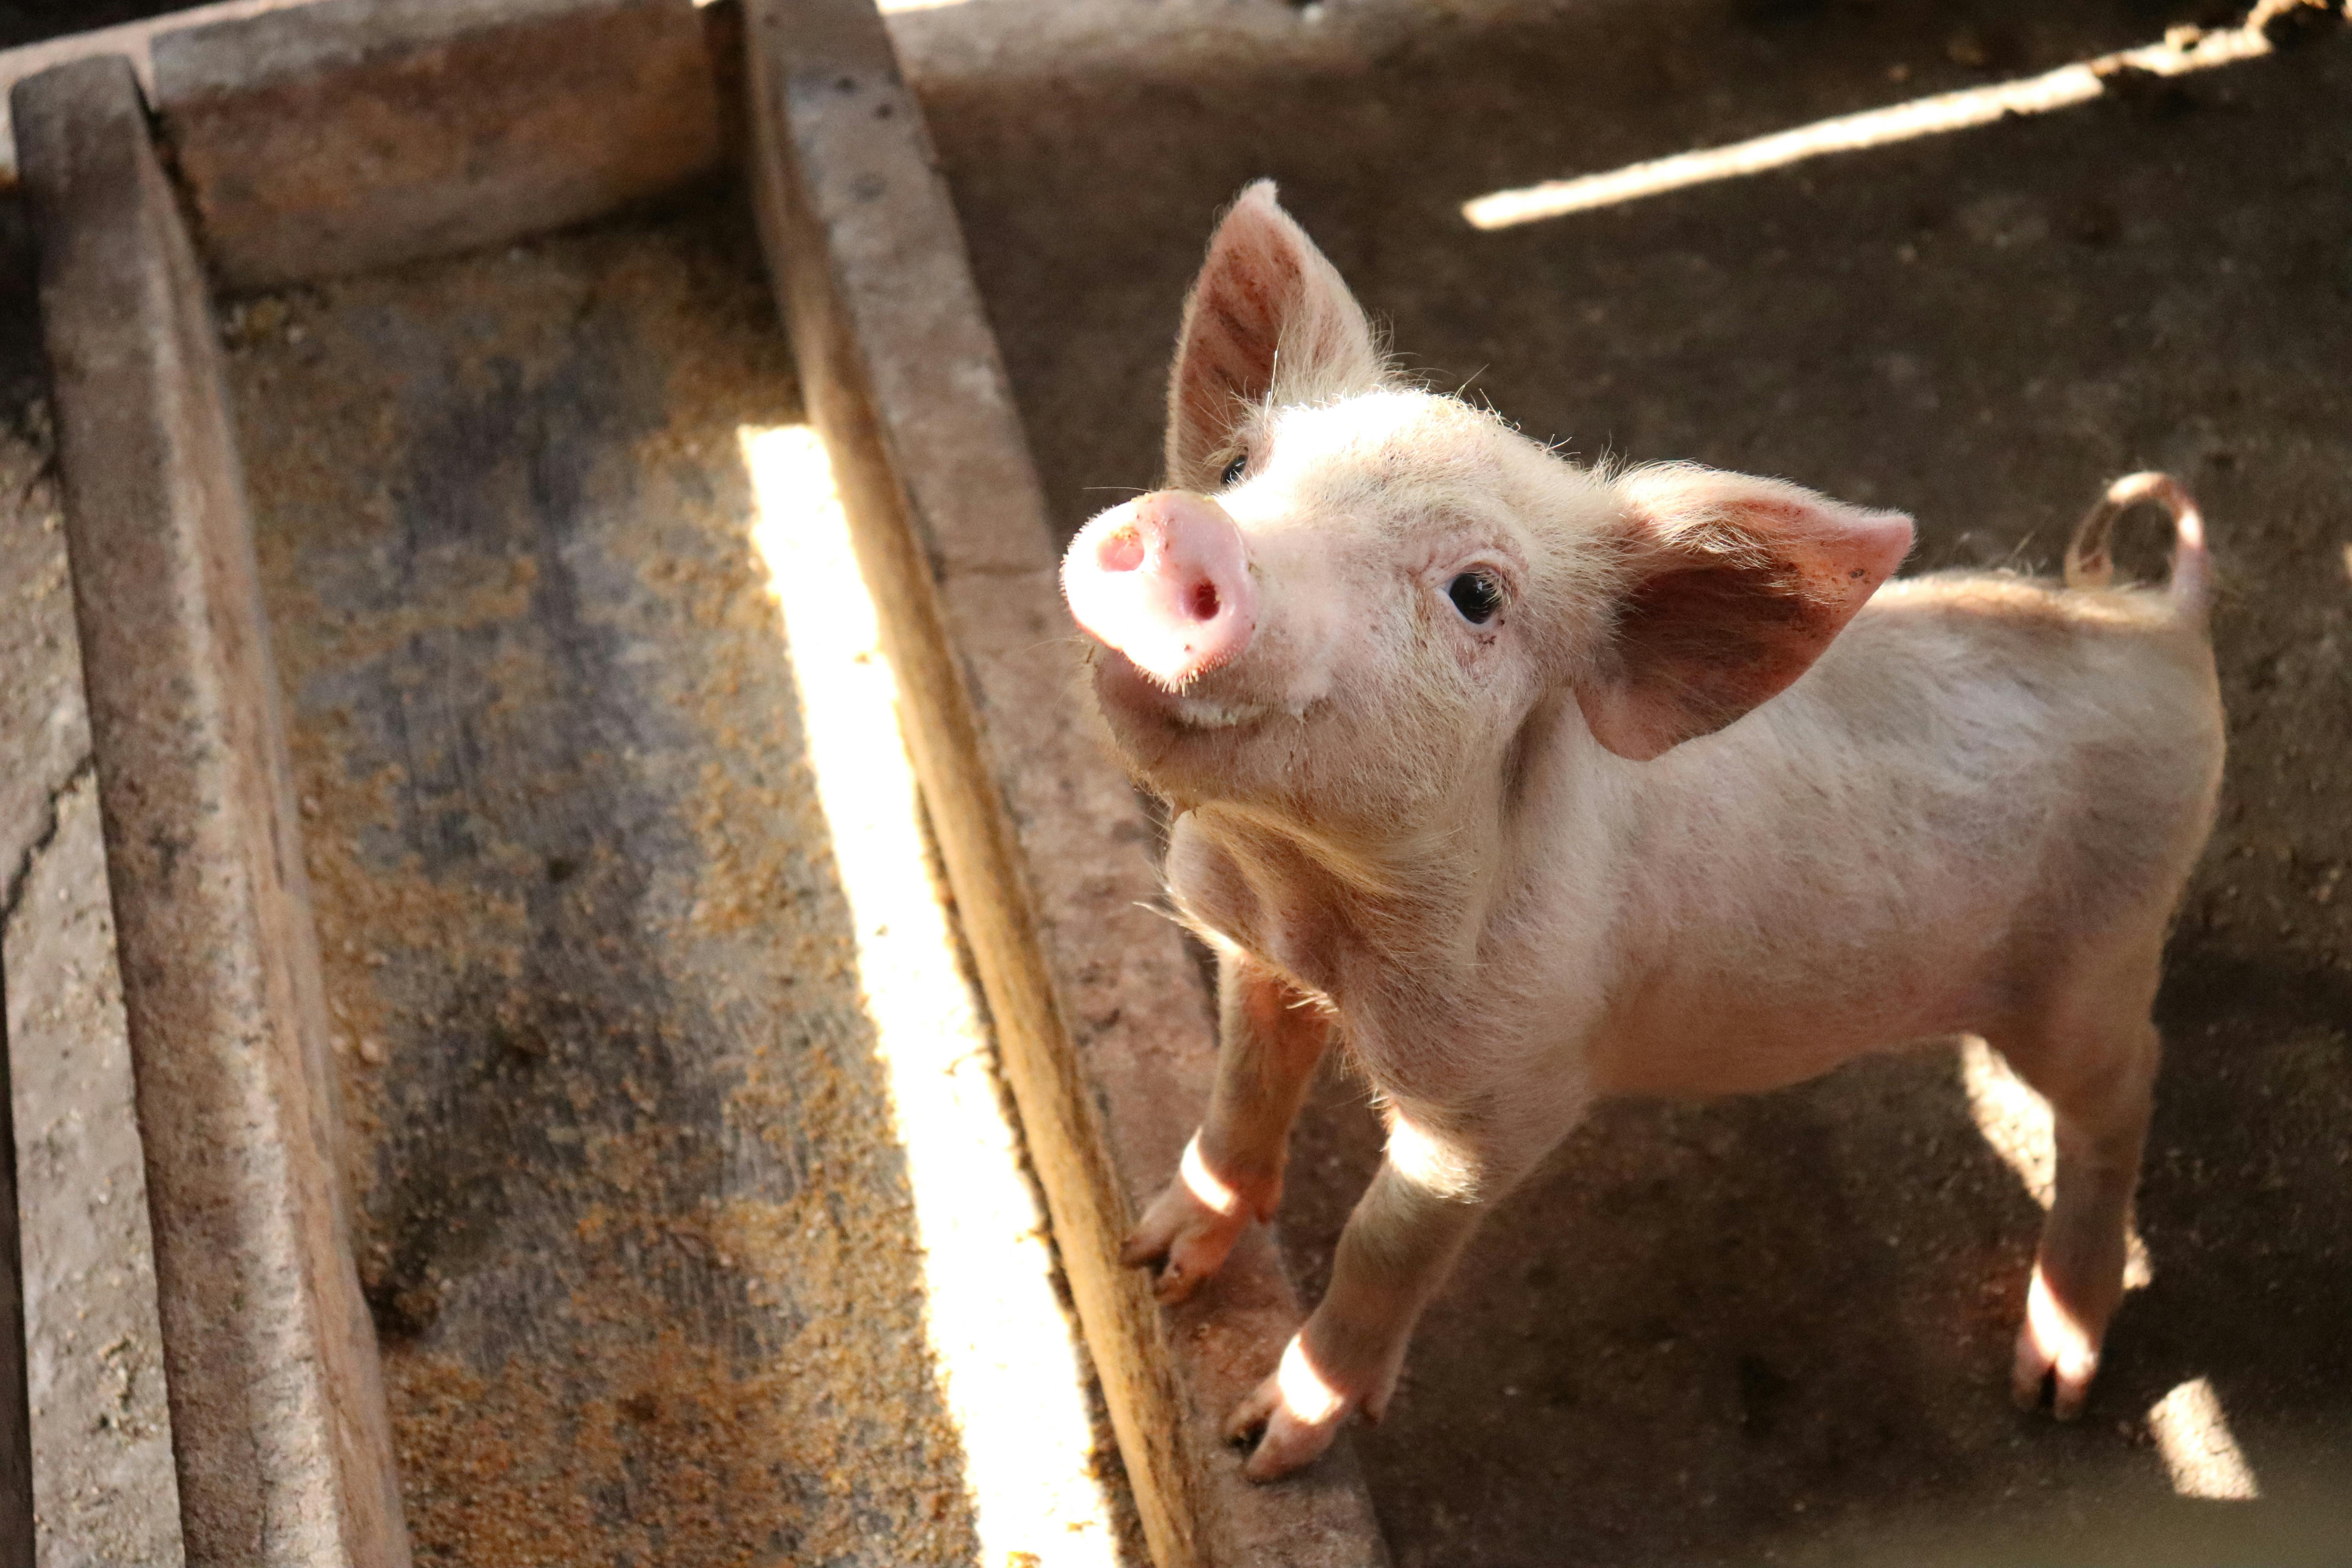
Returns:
<point x="21" y="876"/>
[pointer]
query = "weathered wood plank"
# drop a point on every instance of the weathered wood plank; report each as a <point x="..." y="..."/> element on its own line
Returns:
<point x="277" y="1408"/>
<point x="1098" y="1011"/>
<point x="133" y="40"/>
<point x="333" y="137"/>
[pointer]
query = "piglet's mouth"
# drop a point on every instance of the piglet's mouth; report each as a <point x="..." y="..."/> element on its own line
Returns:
<point x="1135" y="693"/>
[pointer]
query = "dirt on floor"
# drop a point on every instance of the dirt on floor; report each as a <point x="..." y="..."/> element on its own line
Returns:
<point x="1778" y="1329"/>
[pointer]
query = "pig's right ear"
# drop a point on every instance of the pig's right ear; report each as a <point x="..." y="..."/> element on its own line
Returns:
<point x="1267" y="315"/>
<point x="1733" y="587"/>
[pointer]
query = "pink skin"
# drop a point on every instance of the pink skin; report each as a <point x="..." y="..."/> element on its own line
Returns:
<point x="1165" y="581"/>
<point x="1532" y="785"/>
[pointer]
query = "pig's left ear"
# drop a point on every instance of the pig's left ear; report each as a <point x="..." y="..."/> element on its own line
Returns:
<point x="1734" y="586"/>
<point x="1268" y="315"/>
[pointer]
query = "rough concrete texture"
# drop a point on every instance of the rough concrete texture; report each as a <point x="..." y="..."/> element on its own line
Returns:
<point x="105" y="1492"/>
<point x="1097" y="1009"/>
<point x="43" y="724"/>
<point x="277" y="1412"/>
<point x="633" y="1223"/>
<point x="327" y="138"/>
<point x="1777" y="1329"/>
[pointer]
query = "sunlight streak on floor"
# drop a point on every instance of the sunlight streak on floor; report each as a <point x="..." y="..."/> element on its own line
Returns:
<point x="1013" y="1380"/>
<point x="2062" y="89"/>
<point x="2203" y="1459"/>
<point x="2015" y="1120"/>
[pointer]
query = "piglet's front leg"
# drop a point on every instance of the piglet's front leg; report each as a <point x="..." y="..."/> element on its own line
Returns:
<point x="1396" y="1249"/>
<point x="1269" y="1039"/>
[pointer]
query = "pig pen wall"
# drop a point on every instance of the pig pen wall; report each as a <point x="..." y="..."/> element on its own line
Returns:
<point x="1779" y="1329"/>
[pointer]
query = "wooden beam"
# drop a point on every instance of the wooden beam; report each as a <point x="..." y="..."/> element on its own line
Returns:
<point x="345" y="135"/>
<point x="281" y="1442"/>
<point x="1099" y="1014"/>
<point x="132" y="40"/>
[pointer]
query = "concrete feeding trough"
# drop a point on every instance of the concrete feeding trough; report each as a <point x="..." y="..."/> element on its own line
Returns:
<point x="461" y="804"/>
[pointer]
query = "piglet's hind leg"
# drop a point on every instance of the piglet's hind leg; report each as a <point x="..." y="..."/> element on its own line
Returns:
<point x="2093" y="1057"/>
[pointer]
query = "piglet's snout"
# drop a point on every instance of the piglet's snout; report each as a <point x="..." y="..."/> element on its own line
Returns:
<point x="1164" y="580"/>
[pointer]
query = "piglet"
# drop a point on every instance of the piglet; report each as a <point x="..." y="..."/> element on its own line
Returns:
<point x="1533" y="783"/>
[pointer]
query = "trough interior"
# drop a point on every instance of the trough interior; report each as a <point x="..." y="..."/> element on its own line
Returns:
<point x="638" y="1225"/>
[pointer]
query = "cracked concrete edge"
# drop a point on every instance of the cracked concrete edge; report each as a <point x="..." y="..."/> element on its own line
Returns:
<point x="348" y="134"/>
<point x="104" y="1487"/>
<point x="39" y="686"/>
<point x="1099" y="1014"/>
<point x="44" y="730"/>
<point x="44" y="836"/>
<point x="281" y="1442"/>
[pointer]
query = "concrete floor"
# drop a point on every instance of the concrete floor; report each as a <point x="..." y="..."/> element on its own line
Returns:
<point x="1777" y="1330"/>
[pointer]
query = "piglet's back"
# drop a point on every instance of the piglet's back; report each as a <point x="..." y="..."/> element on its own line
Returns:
<point x="1981" y="769"/>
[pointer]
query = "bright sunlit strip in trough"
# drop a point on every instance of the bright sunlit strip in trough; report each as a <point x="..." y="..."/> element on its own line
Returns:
<point x="2060" y="89"/>
<point x="2203" y="1459"/>
<point x="1013" y="1379"/>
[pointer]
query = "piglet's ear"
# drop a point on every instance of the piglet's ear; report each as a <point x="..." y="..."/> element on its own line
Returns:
<point x="1268" y="314"/>
<point x="1736" y="585"/>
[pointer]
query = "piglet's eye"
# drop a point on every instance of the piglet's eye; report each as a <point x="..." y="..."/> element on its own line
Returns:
<point x="1234" y="469"/>
<point x="1477" y="595"/>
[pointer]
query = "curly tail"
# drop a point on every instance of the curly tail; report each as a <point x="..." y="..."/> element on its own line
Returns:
<point x="2089" y="564"/>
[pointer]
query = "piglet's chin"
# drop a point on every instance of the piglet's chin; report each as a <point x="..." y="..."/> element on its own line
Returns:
<point x="1130" y="694"/>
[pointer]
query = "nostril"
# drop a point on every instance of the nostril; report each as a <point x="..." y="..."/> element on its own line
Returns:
<point x="1165" y="581"/>
<point x="1121" y="551"/>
